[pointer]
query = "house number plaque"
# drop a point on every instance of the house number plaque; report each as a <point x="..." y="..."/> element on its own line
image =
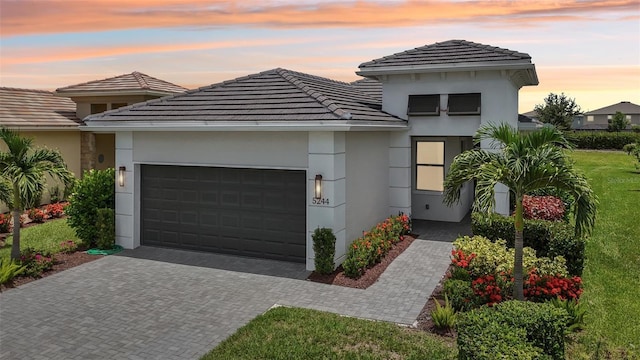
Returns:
<point x="321" y="201"/>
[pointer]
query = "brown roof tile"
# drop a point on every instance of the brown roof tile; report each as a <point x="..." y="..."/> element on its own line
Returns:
<point x="274" y="95"/>
<point x="447" y="52"/>
<point x="131" y="82"/>
<point x="25" y="108"/>
<point x="370" y="87"/>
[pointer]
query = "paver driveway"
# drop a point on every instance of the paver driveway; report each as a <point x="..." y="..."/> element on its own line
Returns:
<point x="125" y="307"/>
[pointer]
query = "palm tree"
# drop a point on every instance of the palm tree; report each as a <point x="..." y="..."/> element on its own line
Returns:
<point x="524" y="162"/>
<point x="22" y="173"/>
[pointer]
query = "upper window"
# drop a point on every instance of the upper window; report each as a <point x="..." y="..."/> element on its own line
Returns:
<point x="590" y="118"/>
<point x="628" y="117"/>
<point x="428" y="105"/>
<point x="430" y="165"/>
<point x="117" y="105"/>
<point x="464" y="104"/>
<point x="609" y="117"/>
<point x="98" y="108"/>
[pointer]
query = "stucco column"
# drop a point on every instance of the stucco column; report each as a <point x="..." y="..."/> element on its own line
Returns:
<point x="125" y="195"/>
<point x="327" y="158"/>
<point x="399" y="172"/>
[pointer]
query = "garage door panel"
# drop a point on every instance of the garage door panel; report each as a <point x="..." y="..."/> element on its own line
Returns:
<point x="250" y="212"/>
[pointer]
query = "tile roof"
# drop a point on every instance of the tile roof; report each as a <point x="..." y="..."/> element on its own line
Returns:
<point x="132" y="82"/>
<point x="447" y="52"/>
<point x="624" y="107"/>
<point x="25" y="108"/>
<point x="370" y="87"/>
<point x="276" y="95"/>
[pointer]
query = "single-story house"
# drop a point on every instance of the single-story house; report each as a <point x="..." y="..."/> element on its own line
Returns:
<point x="251" y="166"/>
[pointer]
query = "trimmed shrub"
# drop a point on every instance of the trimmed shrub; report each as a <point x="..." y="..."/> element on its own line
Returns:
<point x="602" y="139"/>
<point x="35" y="262"/>
<point x="512" y="330"/>
<point x="549" y="239"/>
<point x="459" y="293"/>
<point x="548" y="287"/>
<point x="324" y="247"/>
<point x="369" y="249"/>
<point x="106" y="225"/>
<point x="95" y="190"/>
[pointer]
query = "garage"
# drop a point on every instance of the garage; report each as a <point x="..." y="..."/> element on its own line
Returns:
<point x="239" y="211"/>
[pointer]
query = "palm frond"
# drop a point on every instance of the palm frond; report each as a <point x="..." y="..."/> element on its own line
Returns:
<point x="464" y="168"/>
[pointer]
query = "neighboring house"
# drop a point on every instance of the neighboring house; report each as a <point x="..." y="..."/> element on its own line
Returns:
<point x="576" y="122"/>
<point x="252" y="166"/>
<point x="50" y="120"/>
<point x="599" y="119"/>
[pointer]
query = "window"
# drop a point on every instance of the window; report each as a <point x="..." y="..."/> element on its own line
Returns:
<point x="464" y="104"/>
<point x="628" y="117"/>
<point x="590" y="118"/>
<point x="609" y="117"/>
<point x="98" y="108"/>
<point x="430" y="165"/>
<point x="117" y="105"/>
<point x="428" y="105"/>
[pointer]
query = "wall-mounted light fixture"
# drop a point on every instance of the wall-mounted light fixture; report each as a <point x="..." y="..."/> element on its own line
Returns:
<point x="318" y="187"/>
<point x="121" y="172"/>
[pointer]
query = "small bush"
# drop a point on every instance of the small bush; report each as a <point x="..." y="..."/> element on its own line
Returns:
<point x="36" y="215"/>
<point x="575" y="310"/>
<point x="369" y="249"/>
<point x="55" y="194"/>
<point x="9" y="270"/>
<point x="460" y="294"/>
<point x="35" y="262"/>
<point x="95" y="190"/>
<point x="602" y="139"/>
<point x="324" y="247"/>
<point x="54" y="210"/>
<point x="512" y="330"/>
<point x="444" y="317"/>
<point x="5" y="223"/>
<point x="68" y="246"/>
<point x="548" y="239"/>
<point x="106" y="225"/>
<point x="458" y="273"/>
<point x="635" y="128"/>
<point x="547" y="287"/>
<point x="548" y="208"/>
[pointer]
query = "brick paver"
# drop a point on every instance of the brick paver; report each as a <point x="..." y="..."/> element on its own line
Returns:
<point x="127" y="307"/>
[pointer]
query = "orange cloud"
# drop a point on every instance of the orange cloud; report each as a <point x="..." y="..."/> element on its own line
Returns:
<point x="20" y="17"/>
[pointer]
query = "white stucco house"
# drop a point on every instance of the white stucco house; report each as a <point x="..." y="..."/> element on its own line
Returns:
<point x="252" y="166"/>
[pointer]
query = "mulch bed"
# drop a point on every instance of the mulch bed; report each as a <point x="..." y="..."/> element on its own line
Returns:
<point x="62" y="262"/>
<point x="370" y="276"/>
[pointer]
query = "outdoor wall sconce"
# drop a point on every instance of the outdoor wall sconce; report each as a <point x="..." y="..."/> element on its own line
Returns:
<point x="318" y="187"/>
<point x="121" y="172"/>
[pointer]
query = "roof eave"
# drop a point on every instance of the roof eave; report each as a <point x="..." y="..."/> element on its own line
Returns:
<point x="111" y="126"/>
<point x="431" y="68"/>
<point x="114" y="92"/>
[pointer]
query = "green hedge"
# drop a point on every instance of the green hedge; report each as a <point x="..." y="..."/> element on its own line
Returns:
<point x="602" y="139"/>
<point x="324" y="248"/>
<point x="512" y="330"/>
<point x="547" y="238"/>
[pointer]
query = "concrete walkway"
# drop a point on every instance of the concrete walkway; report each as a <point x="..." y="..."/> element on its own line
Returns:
<point x="136" y="307"/>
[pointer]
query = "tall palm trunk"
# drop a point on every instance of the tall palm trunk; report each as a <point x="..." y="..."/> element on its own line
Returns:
<point x="16" y="212"/>
<point x="518" y="285"/>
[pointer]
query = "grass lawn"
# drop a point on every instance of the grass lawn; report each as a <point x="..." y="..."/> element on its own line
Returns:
<point x="47" y="237"/>
<point x="291" y="333"/>
<point x="612" y="272"/>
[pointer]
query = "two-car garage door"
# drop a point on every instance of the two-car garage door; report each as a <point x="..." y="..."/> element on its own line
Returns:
<point x="250" y="212"/>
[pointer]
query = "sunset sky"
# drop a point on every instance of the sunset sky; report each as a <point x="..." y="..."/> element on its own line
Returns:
<point x="589" y="50"/>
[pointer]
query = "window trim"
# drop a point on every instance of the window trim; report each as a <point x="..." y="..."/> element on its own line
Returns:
<point x="91" y="109"/>
<point x="436" y="112"/>
<point x="417" y="165"/>
<point x="464" y="113"/>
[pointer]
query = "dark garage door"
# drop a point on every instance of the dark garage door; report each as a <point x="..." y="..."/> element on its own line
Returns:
<point x="250" y="212"/>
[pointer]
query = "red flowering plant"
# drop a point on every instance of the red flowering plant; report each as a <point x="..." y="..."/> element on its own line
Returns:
<point x="5" y="223"/>
<point x="35" y="262"/>
<point x="54" y="210"/>
<point x="543" y="208"/>
<point x="545" y="287"/>
<point x="36" y="215"/>
<point x="68" y="246"/>
<point x="490" y="289"/>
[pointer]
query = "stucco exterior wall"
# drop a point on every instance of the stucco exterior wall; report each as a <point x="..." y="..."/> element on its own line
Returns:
<point x="367" y="163"/>
<point x="83" y="103"/>
<point x="105" y="150"/>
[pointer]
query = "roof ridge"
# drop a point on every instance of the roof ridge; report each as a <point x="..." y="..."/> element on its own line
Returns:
<point x="316" y="95"/>
<point x="140" y="79"/>
<point x="90" y="82"/>
<point x="24" y="89"/>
